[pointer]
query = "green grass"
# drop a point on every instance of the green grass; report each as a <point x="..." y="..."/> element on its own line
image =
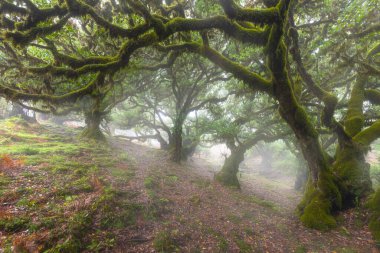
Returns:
<point x="263" y="203"/>
<point x="68" y="171"/>
<point x="165" y="242"/>
<point x="14" y="224"/>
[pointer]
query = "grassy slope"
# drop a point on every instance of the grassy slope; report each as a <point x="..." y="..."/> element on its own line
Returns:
<point x="57" y="193"/>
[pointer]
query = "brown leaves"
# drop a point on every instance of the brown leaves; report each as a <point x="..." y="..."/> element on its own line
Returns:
<point x="29" y="243"/>
<point x="6" y="162"/>
<point x="96" y="183"/>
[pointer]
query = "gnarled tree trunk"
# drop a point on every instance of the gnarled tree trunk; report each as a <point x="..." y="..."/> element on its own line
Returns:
<point x="92" y="129"/>
<point x="228" y="174"/>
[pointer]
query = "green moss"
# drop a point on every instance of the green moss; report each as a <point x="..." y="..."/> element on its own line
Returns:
<point x="301" y="249"/>
<point x="320" y="202"/>
<point x="354" y="125"/>
<point x="373" y="96"/>
<point x="374" y="224"/>
<point x="317" y="215"/>
<point x="4" y="181"/>
<point x="228" y="174"/>
<point x="368" y="135"/>
<point x="353" y="173"/>
<point x="228" y="179"/>
<point x="355" y="119"/>
<point x="93" y="133"/>
<point x="303" y="122"/>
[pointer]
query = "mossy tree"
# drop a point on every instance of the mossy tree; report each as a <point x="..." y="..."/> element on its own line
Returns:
<point x="240" y="124"/>
<point x="181" y="89"/>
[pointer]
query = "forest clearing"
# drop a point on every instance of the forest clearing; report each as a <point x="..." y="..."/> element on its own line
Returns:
<point x="72" y="196"/>
<point x="189" y="126"/>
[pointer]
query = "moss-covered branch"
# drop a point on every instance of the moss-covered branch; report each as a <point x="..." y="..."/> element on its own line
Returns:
<point x="113" y="63"/>
<point x="7" y="7"/>
<point x="252" y="79"/>
<point x="368" y="135"/>
<point x="22" y="38"/>
<point x="80" y="8"/>
<point x="328" y="99"/>
<point x="257" y="16"/>
<point x="355" y="119"/>
<point x="253" y="35"/>
<point x="14" y="94"/>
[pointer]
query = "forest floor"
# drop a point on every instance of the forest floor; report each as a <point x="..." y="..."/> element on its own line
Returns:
<point x="59" y="194"/>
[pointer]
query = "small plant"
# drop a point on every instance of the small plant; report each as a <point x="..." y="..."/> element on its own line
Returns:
<point x="164" y="242"/>
<point x="123" y="157"/>
<point x="222" y="245"/>
<point x="14" y="224"/>
<point x="243" y="246"/>
<point x="149" y="183"/>
<point x="301" y="249"/>
<point x="29" y="151"/>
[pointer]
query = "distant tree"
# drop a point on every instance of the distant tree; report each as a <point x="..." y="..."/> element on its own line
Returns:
<point x="241" y="124"/>
<point x="185" y="87"/>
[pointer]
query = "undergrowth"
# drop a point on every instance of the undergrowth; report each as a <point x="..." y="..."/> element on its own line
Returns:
<point x="60" y="191"/>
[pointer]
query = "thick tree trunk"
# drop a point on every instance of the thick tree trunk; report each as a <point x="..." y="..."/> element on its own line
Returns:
<point x="350" y="165"/>
<point x="92" y="129"/>
<point x="374" y="223"/>
<point x="176" y="145"/>
<point x="322" y="196"/>
<point x="353" y="173"/>
<point x="228" y="174"/>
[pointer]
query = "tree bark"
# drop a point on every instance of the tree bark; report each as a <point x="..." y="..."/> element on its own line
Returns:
<point x="92" y="129"/>
<point x="176" y="145"/>
<point x="228" y="174"/>
<point x="322" y="196"/>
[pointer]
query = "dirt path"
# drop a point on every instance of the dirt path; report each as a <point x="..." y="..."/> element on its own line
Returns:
<point x="278" y="190"/>
<point x="185" y="211"/>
